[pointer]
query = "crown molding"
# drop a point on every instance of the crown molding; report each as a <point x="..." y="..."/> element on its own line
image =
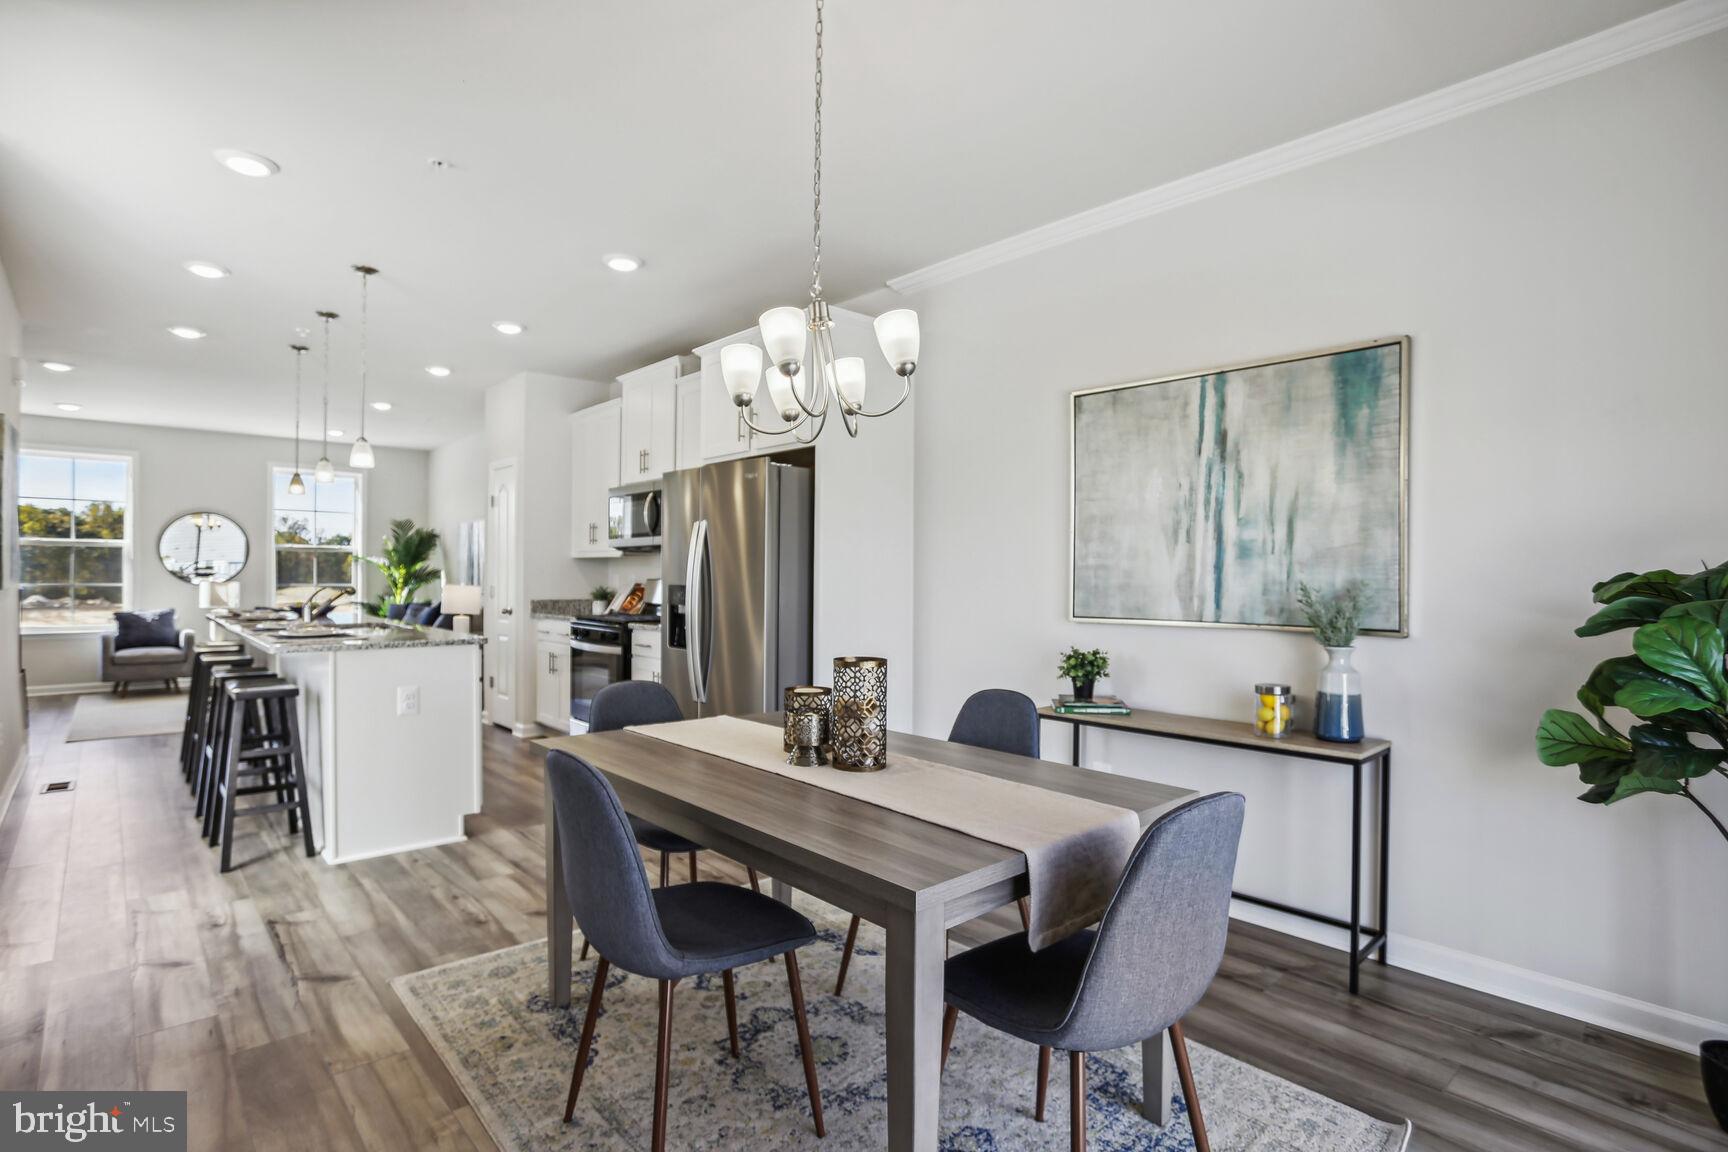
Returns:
<point x="1661" y="29"/>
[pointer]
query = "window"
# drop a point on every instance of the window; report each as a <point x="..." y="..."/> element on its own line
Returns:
<point x="317" y="534"/>
<point x="74" y="535"/>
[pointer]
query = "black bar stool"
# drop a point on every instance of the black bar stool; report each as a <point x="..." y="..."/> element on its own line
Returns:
<point x="214" y="739"/>
<point x="274" y="753"/>
<point x="198" y="707"/>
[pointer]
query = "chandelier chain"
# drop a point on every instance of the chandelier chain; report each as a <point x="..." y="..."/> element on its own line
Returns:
<point x="816" y="180"/>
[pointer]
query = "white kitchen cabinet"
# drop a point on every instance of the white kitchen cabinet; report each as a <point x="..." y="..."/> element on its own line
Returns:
<point x="595" y="448"/>
<point x="645" y="653"/>
<point x="689" y="453"/>
<point x="552" y="681"/>
<point x="650" y="418"/>
<point x="723" y="435"/>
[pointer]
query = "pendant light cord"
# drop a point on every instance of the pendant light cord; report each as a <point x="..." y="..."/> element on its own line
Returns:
<point x="324" y="442"/>
<point x="816" y="179"/>
<point x="299" y="355"/>
<point x="365" y="275"/>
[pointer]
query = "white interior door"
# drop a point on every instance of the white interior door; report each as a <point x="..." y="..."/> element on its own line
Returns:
<point x="502" y="588"/>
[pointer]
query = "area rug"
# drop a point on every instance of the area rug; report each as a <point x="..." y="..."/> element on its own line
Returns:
<point x="490" y="1021"/>
<point x="103" y="716"/>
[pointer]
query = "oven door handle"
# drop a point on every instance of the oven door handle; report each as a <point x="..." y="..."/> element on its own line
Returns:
<point x="603" y="649"/>
<point x="693" y="569"/>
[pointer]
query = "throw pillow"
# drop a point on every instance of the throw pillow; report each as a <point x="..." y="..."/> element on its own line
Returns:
<point x="146" y="630"/>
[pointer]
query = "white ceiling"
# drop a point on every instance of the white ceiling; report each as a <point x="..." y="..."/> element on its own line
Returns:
<point x="675" y="130"/>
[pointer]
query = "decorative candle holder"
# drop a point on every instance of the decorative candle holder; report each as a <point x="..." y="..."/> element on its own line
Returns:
<point x="807" y="741"/>
<point x="803" y="700"/>
<point x="860" y="729"/>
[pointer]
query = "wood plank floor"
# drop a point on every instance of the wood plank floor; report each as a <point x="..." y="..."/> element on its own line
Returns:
<point x="127" y="960"/>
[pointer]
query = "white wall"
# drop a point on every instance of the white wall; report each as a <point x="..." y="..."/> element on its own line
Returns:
<point x="11" y="695"/>
<point x="179" y="470"/>
<point x="455" y="491"/>
<point x="1561" y="263"/>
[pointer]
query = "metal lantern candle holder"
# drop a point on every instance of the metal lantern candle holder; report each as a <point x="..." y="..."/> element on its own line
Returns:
<point x="807" y="700"/>
<point x="807" y="741"/>
<point x="860" y="728"/>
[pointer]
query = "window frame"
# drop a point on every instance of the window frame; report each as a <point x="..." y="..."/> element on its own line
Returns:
<point x="357" y="550"/>
<point x="125" y="545"/>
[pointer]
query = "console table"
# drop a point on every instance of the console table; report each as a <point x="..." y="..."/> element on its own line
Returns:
<point x="1303" y="745"/>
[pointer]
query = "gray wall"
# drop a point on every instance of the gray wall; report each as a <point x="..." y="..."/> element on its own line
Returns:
<point x="1561" y="263"/>
<point x="178" y="470"/>
<point x="11" y="697"/>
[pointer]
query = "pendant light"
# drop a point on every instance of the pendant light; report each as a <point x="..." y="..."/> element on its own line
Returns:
<point x="803" y="375"/>
<point x="324" y="473"/>
<point x="297" y="486"/>
<point x="361" y="454"/>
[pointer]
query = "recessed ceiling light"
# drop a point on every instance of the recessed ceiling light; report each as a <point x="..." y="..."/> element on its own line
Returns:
<point x="335" y="433"/>
<point x="186" y="333"/>
<point x="205" y="269"/>
<point x="621" y="262"/>
<point x="381" y="405"/>
<point x="437" y="370"/>
<point x="509" y="327"/>
<point x="246" y="163"/>
<point x="67" y="406"/>
<point x="56" y="366"/>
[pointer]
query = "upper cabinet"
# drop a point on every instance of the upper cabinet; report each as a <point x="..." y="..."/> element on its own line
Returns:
<point x="723" y="434"/>
<point x="689" y="454"/>
<point x="596" y="447"/>
<point x="649" y="437"/>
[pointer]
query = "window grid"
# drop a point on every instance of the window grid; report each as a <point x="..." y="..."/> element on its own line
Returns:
<point x="315" y="536"/>
<point x="74" y="536"/>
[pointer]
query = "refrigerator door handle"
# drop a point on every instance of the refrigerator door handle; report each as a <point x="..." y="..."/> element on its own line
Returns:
<point x="694" y="593"/>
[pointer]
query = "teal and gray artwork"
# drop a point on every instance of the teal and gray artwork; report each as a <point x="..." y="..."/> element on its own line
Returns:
<point x="1208" y="498"/>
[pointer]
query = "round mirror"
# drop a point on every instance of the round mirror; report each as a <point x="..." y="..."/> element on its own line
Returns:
<point x="203" y="548"/>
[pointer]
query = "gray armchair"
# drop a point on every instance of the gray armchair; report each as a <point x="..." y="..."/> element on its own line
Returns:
<point x="164" y="664"/>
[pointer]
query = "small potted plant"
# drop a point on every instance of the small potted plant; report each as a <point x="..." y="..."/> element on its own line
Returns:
<point x="602" y="597"/>
<point x="1085" y="667"/>
<point x="1335" y="620"/>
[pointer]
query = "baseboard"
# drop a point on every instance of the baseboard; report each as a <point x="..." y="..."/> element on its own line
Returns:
<point x="9" y="787"/>
<point x="68" y="689"/>
<point x="1669" y="1027"/>
<point x="373" y="855"/>
<point x="527" y="731"/>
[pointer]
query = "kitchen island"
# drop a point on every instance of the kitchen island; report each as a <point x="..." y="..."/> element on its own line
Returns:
<point x="390" y="720"/>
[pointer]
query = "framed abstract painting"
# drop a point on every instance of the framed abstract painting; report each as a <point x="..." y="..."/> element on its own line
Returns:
<point x="1206" y="498"/>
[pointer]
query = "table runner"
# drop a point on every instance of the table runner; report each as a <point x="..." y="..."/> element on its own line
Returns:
<point x="1075" y="848"/>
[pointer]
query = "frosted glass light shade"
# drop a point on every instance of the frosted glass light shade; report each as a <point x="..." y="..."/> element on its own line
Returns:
<point x="849" y="380"/>
<point x="783" y="333"/>
<point x="296" y="486"/>
<point x="360" y="456"/>
<point x="325" y="471"/>
<point x="741" y="365"/>
<point x="780" y="391"/>
<point x="897" y="334"/>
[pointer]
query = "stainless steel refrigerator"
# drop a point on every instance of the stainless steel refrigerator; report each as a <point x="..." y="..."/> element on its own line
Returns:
<point x="735" y="555"/>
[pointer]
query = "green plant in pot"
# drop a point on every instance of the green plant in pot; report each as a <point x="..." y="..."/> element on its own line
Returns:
<point x="1675" y="691"/>
<point x="1085" y="667"/>
<point x="405" y="561"/>
<point x="600" y="596"/>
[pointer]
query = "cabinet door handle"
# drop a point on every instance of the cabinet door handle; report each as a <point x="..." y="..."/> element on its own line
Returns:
<point x="550" y="667"/>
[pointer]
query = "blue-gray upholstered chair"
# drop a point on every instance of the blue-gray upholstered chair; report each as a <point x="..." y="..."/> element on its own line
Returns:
<point x="666" y="934"/>
<point x="625" y="705"/>
<point x="1137" y="974"/>
<point x="1001" y="720"/>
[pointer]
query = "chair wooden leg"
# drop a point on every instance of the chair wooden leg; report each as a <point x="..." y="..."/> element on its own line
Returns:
<point x="846" y="956"/>
<point x="1025" y="914"/>
<point x="805" y="1048"/>
<point x="1179" y="1048"/>
<point x="1043" y="1082"/>
<point x="663" y="1063"/>
<point x="692" y="867"/>
<point x="665" y="869"/>
<point x="1077" y="1101"/>
<point x="950" y="1016"/>
<point x="755" y="881"/>
<point x="584" y="950"/>
<point x="587" y="1044"/>
<point x="731" y="1010"/>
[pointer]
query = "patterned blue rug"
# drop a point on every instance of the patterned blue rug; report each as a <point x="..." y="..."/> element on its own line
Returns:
<point x="511" y="1052"/>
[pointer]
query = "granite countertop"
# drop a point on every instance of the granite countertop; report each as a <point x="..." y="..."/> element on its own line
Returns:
<point x="369" y="632"/>
<point x="559" y="609"/>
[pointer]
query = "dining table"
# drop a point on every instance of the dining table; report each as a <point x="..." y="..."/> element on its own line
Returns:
<point x="913" y="878"/>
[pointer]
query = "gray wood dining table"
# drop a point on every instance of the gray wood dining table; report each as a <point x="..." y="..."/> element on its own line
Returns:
<point x="913" y="878"/>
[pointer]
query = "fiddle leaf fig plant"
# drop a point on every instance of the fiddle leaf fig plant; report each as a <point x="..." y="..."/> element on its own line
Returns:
<point x="1673" y="685"/>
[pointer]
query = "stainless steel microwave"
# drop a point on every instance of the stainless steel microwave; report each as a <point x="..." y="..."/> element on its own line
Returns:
<point x="633" y="519"/>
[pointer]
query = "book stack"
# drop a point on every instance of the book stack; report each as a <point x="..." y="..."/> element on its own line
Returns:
<point x="1097" y="706"/>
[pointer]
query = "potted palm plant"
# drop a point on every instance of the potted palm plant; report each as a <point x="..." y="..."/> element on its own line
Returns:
<point x="405" y="561"/>
<point x="1674" y="689"/>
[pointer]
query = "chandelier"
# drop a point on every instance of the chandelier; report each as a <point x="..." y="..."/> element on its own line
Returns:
<point x="803" y="377"/>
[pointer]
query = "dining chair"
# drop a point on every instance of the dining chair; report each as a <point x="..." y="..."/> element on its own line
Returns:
<point x="1135" y="976"/>
<point x="667" y="934"/>
<point x="1001" y="720"/>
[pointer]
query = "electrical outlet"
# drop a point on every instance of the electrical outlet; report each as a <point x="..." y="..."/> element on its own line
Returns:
<point x="408" y="700"/>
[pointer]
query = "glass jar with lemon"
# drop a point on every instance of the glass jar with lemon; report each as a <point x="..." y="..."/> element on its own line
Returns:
<point x="1272" y="714"/>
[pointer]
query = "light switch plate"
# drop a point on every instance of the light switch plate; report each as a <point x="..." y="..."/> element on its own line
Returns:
<point x="408" y="700"/>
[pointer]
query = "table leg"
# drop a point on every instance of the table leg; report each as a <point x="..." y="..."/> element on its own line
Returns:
<point x="1355" y="876"/>
<point x="558" y="923"/>
<point x="1075" y="724"/>
<point x="1157" y="1078"/>
<point x="1385" y="848"/>
<point x="916" y="943"/>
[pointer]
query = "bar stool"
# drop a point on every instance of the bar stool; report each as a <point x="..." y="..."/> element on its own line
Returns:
<point x="272" y="752"/>
<point x="214" y="738"/>
<point x="198" y="707"/>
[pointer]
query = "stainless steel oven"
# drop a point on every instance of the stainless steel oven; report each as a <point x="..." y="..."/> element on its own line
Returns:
<point x="599" y="655"/>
